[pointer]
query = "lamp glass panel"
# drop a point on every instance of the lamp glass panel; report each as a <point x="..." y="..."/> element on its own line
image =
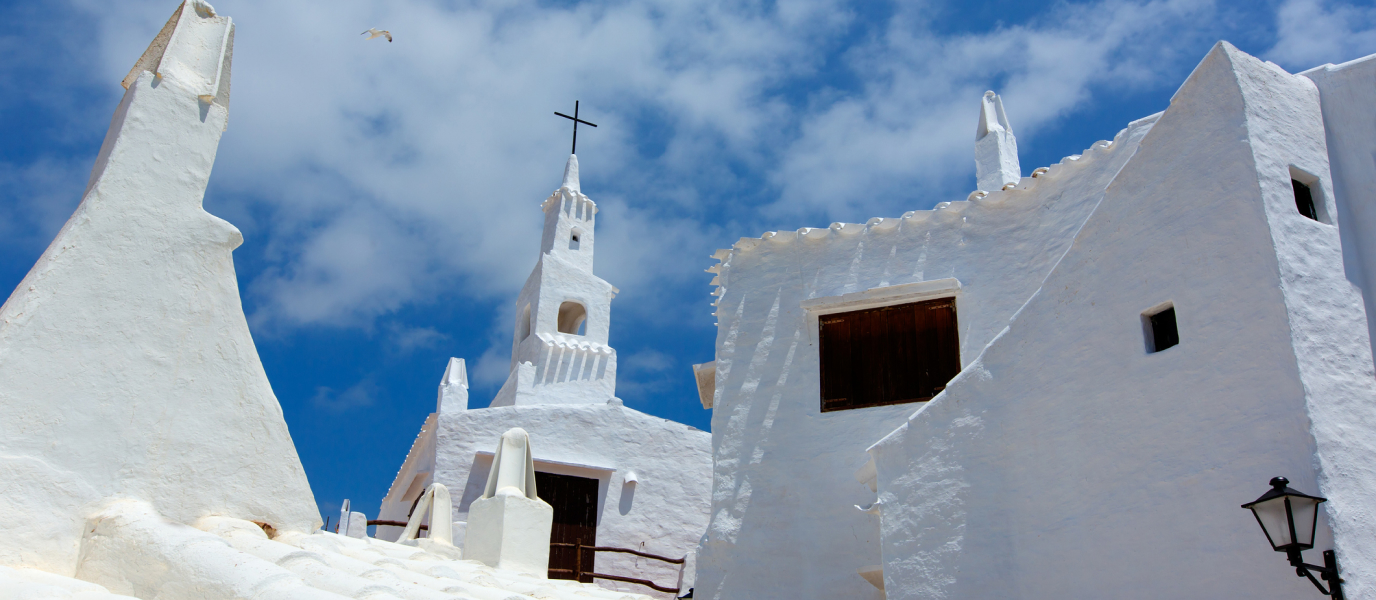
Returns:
<point x="1271" y="513"/>
<point x="1306" y="512"/>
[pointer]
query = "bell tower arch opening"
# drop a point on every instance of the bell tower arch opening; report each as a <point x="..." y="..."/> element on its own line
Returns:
<point x="572" y="318"/>
<point x="523" y="324"/>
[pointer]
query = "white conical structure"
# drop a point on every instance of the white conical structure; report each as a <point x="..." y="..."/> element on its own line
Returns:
<point x="559" y="352"/>
<point x="571" y="174"/>
<point x="126" y="365"/>
<point x="996" y="150"/>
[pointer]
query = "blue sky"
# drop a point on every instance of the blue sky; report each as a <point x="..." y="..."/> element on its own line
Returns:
<point x="388" y="193"/>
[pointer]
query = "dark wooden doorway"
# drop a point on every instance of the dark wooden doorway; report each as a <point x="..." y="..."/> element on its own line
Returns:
<point x="575" y="518"/>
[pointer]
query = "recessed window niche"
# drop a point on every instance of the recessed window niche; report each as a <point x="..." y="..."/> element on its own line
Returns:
<point x="1159" y="327"/>
<point x="574" y="239"/>
<point x="1308" y="195"/>
<point x="523" y="324"/>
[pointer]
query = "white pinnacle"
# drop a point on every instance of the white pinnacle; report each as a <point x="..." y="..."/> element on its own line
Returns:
<point x="453" y="393"/>
<point x="996" y="149"/>
<point x="571" y="174"/>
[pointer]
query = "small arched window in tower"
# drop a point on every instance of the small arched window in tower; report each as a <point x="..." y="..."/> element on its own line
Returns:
<point x="572" y="318"/>
<point x="523" y="325"/>
<point x="574" y="237"/>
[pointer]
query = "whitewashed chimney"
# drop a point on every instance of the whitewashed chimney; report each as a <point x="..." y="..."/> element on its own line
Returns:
<point x="996" y="150"/>
<point x="453" y="394"/>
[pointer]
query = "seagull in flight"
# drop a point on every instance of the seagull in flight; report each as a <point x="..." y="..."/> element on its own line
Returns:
<point x="377" y="34"/>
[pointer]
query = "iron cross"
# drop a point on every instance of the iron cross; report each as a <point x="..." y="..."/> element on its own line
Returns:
<point x="576" y="121"/>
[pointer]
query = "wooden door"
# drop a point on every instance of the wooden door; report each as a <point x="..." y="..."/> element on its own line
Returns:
<point x="575" y="518"/>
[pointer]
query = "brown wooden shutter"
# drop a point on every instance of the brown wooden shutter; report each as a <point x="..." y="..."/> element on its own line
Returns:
<point x="888" y="355"/>
<point x="835" y="349"/>
<point x="939" y="357"/>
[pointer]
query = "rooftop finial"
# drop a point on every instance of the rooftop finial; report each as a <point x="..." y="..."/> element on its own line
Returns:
<point x="453" y="395"/>
<point x="571" y="174"/>
<point x="991" y="116"/>
<point x="996" y="150"/>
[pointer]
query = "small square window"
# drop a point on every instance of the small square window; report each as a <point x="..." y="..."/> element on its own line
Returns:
<point x="1160" y="328"/>
<point x="1308" y="192"/>
<point x="1304" y="199"/>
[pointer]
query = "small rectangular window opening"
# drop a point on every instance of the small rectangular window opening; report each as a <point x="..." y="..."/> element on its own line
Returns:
<point x="1160" y="328"/>
<point x="573" y="241"/>
<point x="1304" y="200"/>
<point x="1308" y="195"/>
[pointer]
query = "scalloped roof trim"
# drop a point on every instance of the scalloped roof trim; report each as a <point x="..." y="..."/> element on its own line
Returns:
<point x="431" y="423"/>
<point x="566" y="341"/>
<point x="944" y="212"/>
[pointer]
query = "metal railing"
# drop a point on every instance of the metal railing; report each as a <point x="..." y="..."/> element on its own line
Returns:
<point x="395" y="524"/>
<point x="578" y="571"/>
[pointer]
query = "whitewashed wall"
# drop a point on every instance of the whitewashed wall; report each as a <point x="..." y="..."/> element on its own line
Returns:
<point x="1347" y="93"/>
<point x="783" y="517"/>
<point x="664" y="513"/>
<point x="1067" y="461"/>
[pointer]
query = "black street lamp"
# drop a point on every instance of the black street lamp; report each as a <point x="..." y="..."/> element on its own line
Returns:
<point x="1288" y="518"/>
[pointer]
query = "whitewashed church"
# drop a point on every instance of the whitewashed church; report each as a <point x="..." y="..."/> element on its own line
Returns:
<point x="615" y="476"/>
<point x="1066" y="384"/>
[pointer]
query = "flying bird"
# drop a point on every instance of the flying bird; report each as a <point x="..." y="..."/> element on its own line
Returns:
<point x="377" y="34"/>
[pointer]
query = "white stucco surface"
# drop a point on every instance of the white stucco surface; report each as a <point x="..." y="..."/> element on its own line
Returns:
<point x="510" y="531"/>
<point x="1068" y="461"/>
<point x="132" y="550"/>
<point x="784" y="522"/>
<point x="126" y="365"/>
<point x="663" y="512"/>
<point x="1347" y="92"/>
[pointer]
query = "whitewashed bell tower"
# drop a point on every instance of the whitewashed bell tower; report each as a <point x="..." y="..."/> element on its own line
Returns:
<point x="559" y="352"/>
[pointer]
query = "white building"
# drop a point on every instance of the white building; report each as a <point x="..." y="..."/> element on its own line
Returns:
<point x="1075" y="378"/>
<point x="142" y="451"/>
<point x="616" y="477"/>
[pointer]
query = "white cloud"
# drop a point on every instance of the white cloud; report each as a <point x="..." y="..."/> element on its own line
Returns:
<point x="46" y="191"/>
<point x="912" y="125"/>
<point x="408" y="339"/>
<point x="649" y="361"/>
<point x="382" y="174"/>
<point x="356" y="266"/>
<point x="361" y="394"/>
<point x="1313" y="32"/>
<point x="492" y="368"/>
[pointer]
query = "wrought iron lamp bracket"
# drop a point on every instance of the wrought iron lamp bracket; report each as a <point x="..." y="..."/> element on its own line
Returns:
<point x="1328" y="572"/>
